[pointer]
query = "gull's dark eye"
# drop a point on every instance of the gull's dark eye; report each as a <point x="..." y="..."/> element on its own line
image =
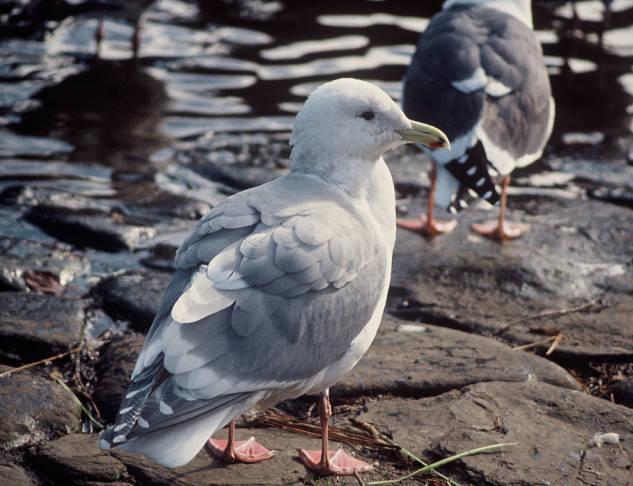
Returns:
<point x="368" y="115"/>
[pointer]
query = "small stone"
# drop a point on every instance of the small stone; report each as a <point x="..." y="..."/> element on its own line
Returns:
<point x="600" y="439"/>
<point x="133" y="296"/>
<point x="34" y="409"/>
<point x="35" y="326"/>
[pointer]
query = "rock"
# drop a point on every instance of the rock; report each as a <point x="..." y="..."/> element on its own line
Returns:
<point x="204" y="469"/>
<point x="575" y="254"/>
<point x="409" y="359"/>
<point x="20" y="169"/>
<point x="623" y="392"/>
<point x="118" y="358"/>
<point x="553" y="427"/>
<point x="77" y="458"/>
<point x="35" y="326"/>
<point x="14" y="475"/>
<point x="601" y="176"/>
<point x="12" y="225"/>
<point x="88" y="228"/>
<point x="133" y="296"/>
<point x="182" y="181"/>
<point x="20" y="259"/>
<point x="34" y="409"/>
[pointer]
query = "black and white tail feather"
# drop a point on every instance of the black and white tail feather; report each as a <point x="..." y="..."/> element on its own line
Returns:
<point x="473" y="172"/>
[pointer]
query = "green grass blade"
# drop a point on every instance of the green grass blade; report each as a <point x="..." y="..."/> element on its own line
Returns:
<point x="410" y="454"/>
<point x="81" y="405"/>
<point x="442" y="462"/>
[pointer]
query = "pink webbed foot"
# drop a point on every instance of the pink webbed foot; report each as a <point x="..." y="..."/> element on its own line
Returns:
<point x="340" y="463"/>
<point x="507" y="231"/>
<point x="248" y="451"/>
<point x="430" y="227"/>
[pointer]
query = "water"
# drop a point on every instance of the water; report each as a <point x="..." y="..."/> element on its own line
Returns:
<point x="207" y="107"/>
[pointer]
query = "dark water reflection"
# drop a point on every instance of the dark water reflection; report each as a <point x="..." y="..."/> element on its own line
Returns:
<point x="208" y="69"/>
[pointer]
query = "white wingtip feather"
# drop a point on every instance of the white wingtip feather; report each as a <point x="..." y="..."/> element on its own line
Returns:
<point x="201" y="299"/>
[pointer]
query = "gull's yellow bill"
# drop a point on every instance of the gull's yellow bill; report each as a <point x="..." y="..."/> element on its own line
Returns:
<point x="425" y="134"/>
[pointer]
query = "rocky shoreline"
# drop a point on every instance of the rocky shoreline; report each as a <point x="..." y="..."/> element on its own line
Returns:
<point x="529" y="342"/>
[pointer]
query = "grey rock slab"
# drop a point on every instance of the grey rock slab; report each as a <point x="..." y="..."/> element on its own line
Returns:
<point x="18" y="257"/>
<point x="34" y="409"/>
<point x="35" y="326"/>
<point x="14" y="475"/>
<point x="12" y="225"/>
<point x="114" y="370"/>
<point x="574" y="254"/>
<point x="77" y="458"/>
<point x="88" y="228"/>
<point x="204" y="469"/>
<point x="554" y="427"/>
<point x="411" y="359"/>
<point x="133" y="296"/>
<point x="601" y="173"/>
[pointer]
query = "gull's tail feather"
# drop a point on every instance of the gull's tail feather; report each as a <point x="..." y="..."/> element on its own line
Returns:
<point x="178" y="444"/>
<point x="472" y="170"/>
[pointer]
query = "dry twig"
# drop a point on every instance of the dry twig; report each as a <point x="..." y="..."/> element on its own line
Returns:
<point x="349" y="437"/>
<point x="555" y="344"/>
<point x="549" y="313"/>
<point x="534" y="344"/>
<point x="39" y="362"/>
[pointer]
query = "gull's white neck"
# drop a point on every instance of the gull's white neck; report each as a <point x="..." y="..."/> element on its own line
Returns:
<point x="369" y="183"/>
<point x="521" y="9"/>
<point x="347" y="173"/>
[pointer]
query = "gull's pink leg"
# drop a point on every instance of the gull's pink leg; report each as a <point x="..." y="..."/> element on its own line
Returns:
<point x="501" y="229"/>
<point x="428" y="224"/>
<point x="326" y="462"/>
<point x="231" y="450"/>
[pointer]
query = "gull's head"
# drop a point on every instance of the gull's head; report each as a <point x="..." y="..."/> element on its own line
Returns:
<point x="352" y="119"/>
<point x="521" y="9"/>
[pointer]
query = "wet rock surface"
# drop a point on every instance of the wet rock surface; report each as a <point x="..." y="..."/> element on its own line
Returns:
<point x="88" y="228"/>
<point x="576" y="256"/>
<point x="133" y="296"/>
<point x="33" y="409"/>
<point x="35" y="326"/>
<point x="21" y="261"/>
<point x="556" y="431"/>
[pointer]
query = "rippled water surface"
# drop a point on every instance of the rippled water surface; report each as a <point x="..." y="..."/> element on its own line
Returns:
<point x="207" y="107"/>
